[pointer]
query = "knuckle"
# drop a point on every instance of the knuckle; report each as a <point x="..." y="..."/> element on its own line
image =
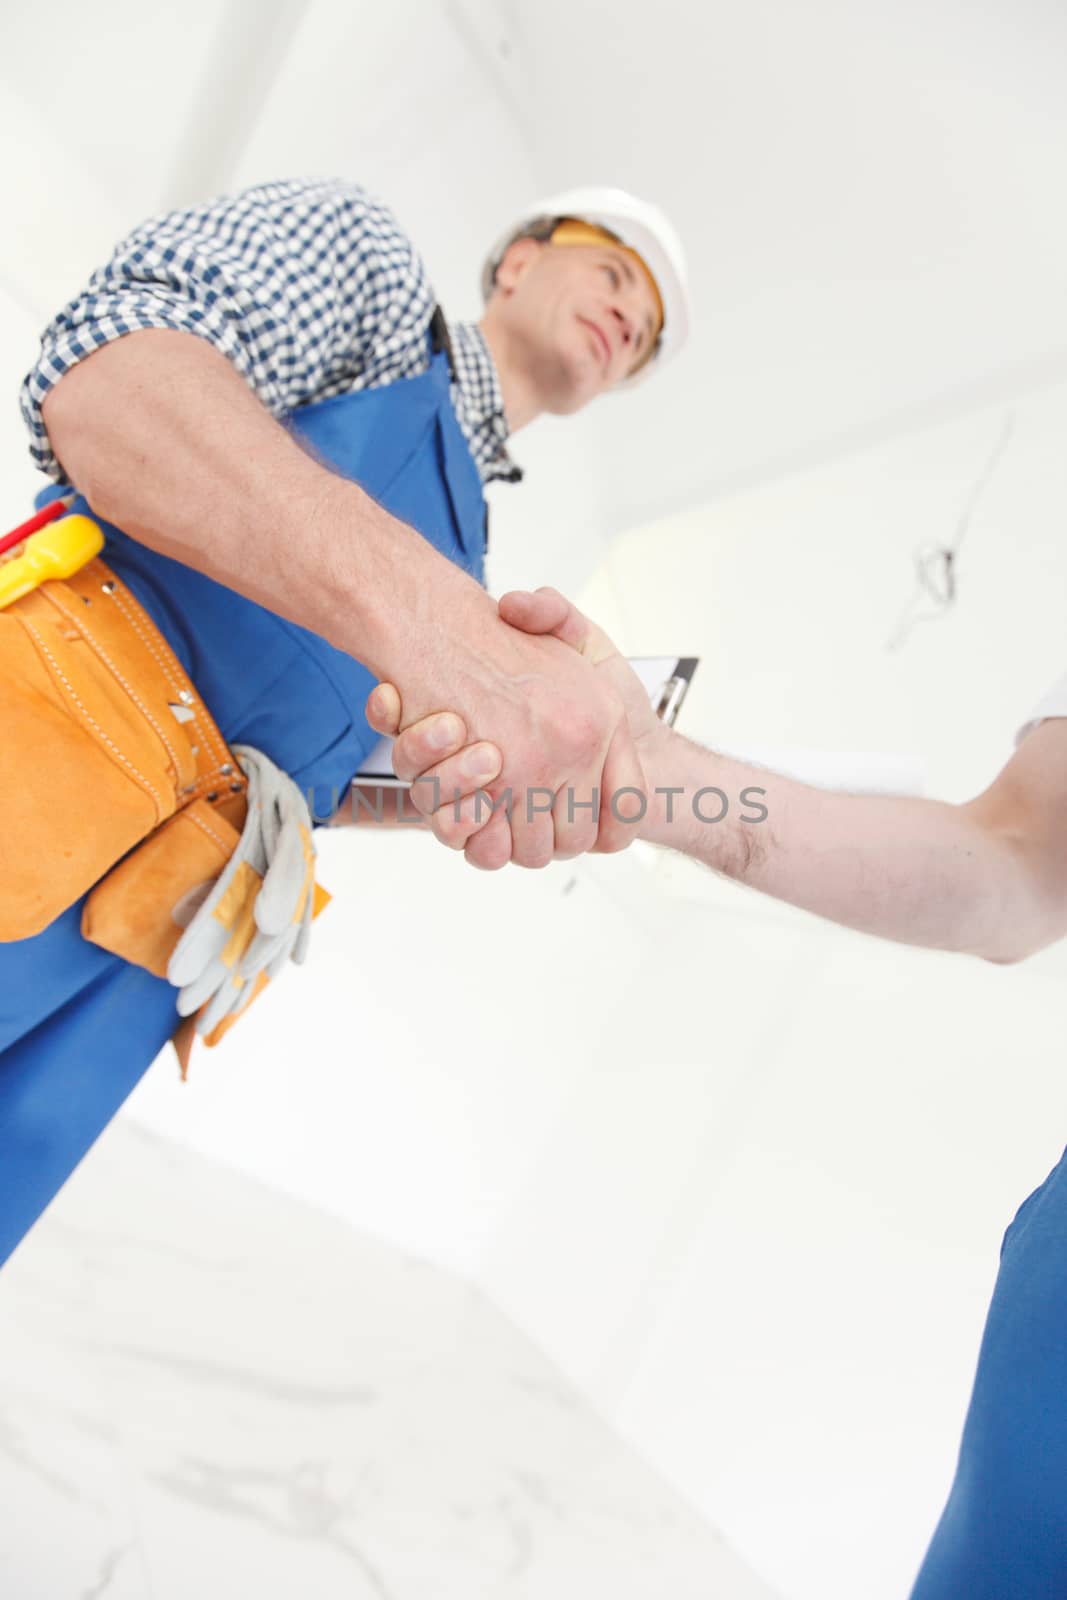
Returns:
<point x="492" y="848"/>
<point x="534" y="856"/>
<point x="481" y="855"/>
<point x="576" y="733"/>
<point x="448" y="829"/>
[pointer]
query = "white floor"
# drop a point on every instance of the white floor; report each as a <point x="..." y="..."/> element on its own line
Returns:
<point x="207" y="1388"/>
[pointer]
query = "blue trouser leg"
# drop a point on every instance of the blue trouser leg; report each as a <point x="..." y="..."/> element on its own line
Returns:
<point x="1003" y="1534"/>
<point x="64" y="1078"/>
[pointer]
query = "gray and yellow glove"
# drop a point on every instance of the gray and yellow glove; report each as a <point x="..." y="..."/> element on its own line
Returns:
<point x="258" y="913"/>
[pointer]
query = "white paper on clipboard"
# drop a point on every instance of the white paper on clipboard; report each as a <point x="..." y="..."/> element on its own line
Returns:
<point x="666" y="678"/>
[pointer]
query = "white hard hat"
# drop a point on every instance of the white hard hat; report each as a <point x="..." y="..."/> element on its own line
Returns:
<point x="635" y="223"/>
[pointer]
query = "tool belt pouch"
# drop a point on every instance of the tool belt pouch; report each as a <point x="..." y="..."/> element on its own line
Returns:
<point x="92" y="760"/>
<point x="140" y="909"/>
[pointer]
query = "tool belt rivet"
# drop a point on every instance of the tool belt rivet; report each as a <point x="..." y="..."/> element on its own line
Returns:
<point x="226" y="769"/>
<point x="185" y="697"/>
<point x="108" y="587"/>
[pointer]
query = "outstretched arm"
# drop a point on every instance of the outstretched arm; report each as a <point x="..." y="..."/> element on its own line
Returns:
<point x="988" y="877"/>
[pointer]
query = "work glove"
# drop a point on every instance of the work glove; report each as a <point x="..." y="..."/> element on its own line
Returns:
<point x="257" y="915"/>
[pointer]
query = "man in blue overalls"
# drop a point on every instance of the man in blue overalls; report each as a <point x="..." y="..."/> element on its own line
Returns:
<point x="286" y="448"/>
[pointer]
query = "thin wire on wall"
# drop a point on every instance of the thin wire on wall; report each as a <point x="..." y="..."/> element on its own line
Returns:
<point x="937" y="565"/>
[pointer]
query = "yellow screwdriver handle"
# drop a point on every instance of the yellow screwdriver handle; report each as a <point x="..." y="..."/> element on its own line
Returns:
<point x="57" y="550"/>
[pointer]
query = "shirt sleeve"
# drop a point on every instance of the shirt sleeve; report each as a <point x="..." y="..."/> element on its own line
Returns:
<point x="1053" y="705"/>
<point x="306" y="287"/>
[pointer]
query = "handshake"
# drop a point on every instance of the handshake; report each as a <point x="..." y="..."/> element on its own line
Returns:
<point x="563" y="763"/>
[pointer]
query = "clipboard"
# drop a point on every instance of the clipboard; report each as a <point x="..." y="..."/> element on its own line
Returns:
<point x="666" y="679"/>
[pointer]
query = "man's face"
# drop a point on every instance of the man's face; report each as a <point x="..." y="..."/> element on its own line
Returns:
<point x="583" y="316"/>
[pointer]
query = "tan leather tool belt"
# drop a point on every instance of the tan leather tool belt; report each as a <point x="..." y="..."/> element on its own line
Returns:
<point x="104" y="744"/>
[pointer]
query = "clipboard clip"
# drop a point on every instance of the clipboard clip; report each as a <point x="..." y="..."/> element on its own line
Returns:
<point x="670" y="700"/>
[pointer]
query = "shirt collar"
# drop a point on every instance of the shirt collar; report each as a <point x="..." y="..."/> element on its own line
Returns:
<point x="479" y="403"/>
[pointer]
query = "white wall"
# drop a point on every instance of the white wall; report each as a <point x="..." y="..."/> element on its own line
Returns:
<point x="870" y="196"/>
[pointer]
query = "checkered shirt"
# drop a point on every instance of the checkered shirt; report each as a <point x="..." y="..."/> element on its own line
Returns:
<point x="310" y="288"/>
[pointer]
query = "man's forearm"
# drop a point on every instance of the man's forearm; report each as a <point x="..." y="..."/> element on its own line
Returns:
<point x="918" y="871"/>
<point x="167" y="441"/>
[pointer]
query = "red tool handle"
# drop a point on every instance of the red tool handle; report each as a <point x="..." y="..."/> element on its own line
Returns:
<point x="55" y="509"/>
